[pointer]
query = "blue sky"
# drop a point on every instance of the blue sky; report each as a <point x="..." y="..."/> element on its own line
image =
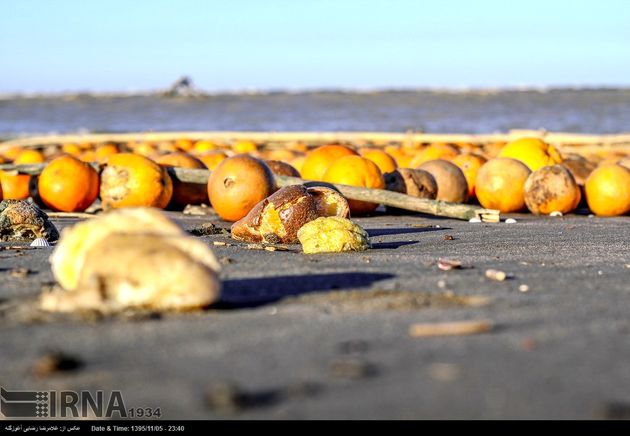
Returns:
<point x="122" y="45"/>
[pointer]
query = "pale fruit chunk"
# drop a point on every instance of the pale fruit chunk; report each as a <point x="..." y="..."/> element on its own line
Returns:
<point x="332" y="235"/>
<point x="69" y="255"/>
<point x="141" y="271"/>
<point x="278" y="217"/>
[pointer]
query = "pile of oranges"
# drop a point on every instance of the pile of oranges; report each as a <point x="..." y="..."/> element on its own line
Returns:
<point x="525" y="174"/>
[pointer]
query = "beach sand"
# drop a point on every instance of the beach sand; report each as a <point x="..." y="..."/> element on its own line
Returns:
<point x="327" y="336"/>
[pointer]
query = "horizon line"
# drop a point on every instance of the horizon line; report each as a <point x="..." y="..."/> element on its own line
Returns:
<point x="200" y="93"/>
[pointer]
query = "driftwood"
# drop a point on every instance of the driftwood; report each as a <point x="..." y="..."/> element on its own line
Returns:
<point x="560" y="139"/>
<point x="388" y="198"/>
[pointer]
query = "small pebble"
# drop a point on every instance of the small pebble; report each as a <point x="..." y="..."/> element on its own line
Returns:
<point x="555" y="213"/>
<point x="447" y="265"/>
<point x="510" y="221"/>
<point x="474" y="220"/>
<point x="224" y="397"/>
<point x="528" y="344"/>
<point x="352" y="369"/>
<point x="599" y="273"/>
<point x="20" y="273"/>
<point x="494" y="274"/>
<point x="523" y="288"/>
<point x="590" y="215"/>
<point x="445" y="372"/>
<point x="441" y="284"/>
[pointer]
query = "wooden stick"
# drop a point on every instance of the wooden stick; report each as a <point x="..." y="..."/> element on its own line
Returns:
<point x="557" y="138"/>
<point x="456" y="328"/>
<point x="406" y="202"/>
<point x="380" y="196"/>
<point x="69" y="215"/>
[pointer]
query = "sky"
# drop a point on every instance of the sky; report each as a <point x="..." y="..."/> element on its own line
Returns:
<point x="235" y="45"/>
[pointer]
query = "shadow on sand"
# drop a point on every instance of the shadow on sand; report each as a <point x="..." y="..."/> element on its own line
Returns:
<point x="403" y="230"/>
<point x="242" y="293"/>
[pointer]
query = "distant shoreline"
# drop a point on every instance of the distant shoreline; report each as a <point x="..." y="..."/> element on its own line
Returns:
<point x="74" y="95"/>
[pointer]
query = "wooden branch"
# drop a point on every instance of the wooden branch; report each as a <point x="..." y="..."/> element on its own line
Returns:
<point x="556" y="138"/>
<point x="380" y="196"/>
<point x="69" y="215"/>
<point x="407" y="202"/>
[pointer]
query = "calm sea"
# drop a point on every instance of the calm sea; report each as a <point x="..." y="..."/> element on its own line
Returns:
<point x="587" y="111"/>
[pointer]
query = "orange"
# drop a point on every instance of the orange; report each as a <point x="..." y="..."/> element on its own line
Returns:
<point x="318" y="160"/>
<point x="500" y="184"/>
<point x="131" y="180"/>
<point x="451" y="181"/>
<point x="492" y="149"/>
<point x="608" y="190"/>
<point x="203" y="146"/>
<point x="533" y="152"/>
<point x="237" y="184"/>
<point x="14" y="185"/>
<point x="184" y="193"/>
<point x="412" y="146"/>
<point x="29" y="156"/>
<point x="167" y="147"/>
<point x="403" y="160"/>
<point x="466" y="147"/>
<point x="437" y="150"/>
<point x="102" y="152"/>
<point x="11" y="153"/>
<point x="298" y="163"/>
<point x="212" y="158"/>
<point x="383" y="160"/>
<point x="180" y="159"/>
<point x="356" y="171"/>
<point x="469" y="163"/>
<point x="144" y="148"/>
<point x="73" y="149"/>
<point x="579" y="167"/>
<point x="282" y="154"/>
<point x="87" y="156"/>
<point x="244" y="146"/>
<point x="68" y="185"/>
<point x="183" y="144"/>
<point x="551" y="189"/>
<point x="280" y="168"/>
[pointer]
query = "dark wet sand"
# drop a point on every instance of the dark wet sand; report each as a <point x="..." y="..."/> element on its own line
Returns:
<point x="289" y="340"/>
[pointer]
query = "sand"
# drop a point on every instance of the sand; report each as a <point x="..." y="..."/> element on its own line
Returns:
<point x="327" y="336"/>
